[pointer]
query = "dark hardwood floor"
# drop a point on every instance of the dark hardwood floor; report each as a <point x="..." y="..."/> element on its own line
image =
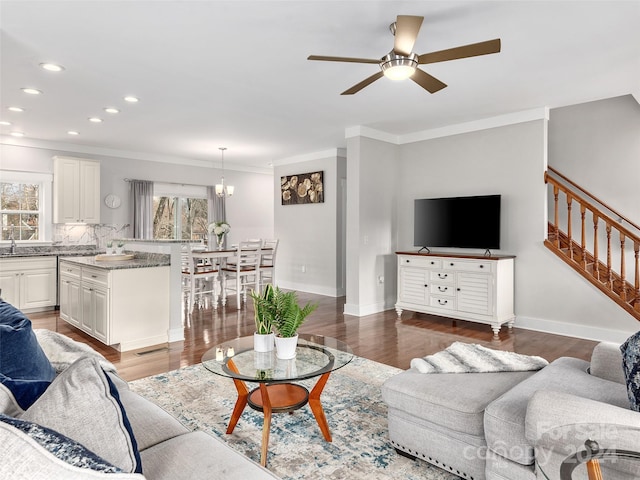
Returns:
<point x="381" y="337"/>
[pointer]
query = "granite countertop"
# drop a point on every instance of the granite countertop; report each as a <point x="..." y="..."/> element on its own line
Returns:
<point x="48" y="251"/>
<point x="141" y="260"/>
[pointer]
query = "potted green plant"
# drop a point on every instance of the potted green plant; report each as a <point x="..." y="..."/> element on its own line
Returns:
<point x="120" y="248"/>
<point x="109" y="248"/>
<point x="265" y="311"/>
<point x="289" y="316"/>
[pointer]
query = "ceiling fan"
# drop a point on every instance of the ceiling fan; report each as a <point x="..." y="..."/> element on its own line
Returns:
<point x="401" y="63"/>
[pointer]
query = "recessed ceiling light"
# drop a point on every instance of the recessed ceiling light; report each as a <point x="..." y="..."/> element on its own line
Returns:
<point x="32" y="91"/>
<point x="131" y="99"/>
<point x="6" y="124"/>
<point x="73" y="132"/>
<point x="52" y="67"/>
<point x="16" y="109"/>
<point x="95" y="119"/>
<point x="17" y="134"/>
<point x="111" y="110"/>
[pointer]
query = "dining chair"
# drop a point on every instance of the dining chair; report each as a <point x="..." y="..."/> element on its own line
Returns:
<point x="242" y="271"/>
<point x="268" y="263"/>
<point x="200" y="277"/>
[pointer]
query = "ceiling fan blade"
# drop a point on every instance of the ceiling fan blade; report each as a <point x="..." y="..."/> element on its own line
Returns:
<point x="343" y="59"/>
<point x="465" y="51"/>
<point x="426" y="81"/>
<point x="407" y="29"/>
<point x="359" y="86"/>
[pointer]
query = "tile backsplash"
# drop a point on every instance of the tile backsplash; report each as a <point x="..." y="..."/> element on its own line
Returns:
<point x="97" y="235"/>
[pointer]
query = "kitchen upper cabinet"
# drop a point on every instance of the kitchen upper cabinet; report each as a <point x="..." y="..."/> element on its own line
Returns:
<point x="76" y="190"/>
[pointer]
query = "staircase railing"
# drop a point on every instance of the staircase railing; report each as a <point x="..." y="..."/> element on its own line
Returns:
<point x="620" y="236"/>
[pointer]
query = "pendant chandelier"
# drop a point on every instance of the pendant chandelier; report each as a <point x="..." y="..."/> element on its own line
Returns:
<point x="223" y="190"/>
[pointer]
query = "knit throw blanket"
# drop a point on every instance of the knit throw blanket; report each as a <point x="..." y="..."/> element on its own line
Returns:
<point x="62" y="351"/>
<point x="472" y="358"/>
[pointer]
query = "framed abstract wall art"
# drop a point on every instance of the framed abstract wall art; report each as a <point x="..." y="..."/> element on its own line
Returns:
<point x="302" y="188"/>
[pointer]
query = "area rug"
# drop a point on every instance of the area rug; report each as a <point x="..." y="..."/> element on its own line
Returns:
<point x="353" y="405"/>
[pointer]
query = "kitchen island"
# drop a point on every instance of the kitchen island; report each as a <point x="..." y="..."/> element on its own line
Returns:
<point x="125" y="304"/>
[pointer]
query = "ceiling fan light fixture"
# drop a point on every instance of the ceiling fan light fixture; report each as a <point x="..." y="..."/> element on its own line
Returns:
<point x="399" y="67"/>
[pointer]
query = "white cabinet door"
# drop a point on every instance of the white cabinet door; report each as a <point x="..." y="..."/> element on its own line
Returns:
<point x="101" y="314"/>
<point x="475" y="293"/>
<point x="38" y="288"/>
<point x="66" y="190"/>
<point x="89" y="192"/>
<point x="70" y="300"/>
<point x="87" y="314"/>
<point x="10" y="287"/>
<point x="414" y="286"/>
<point x="76" y="190"/>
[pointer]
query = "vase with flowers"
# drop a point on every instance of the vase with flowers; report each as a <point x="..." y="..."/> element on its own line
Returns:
<point x="219" y="229"/>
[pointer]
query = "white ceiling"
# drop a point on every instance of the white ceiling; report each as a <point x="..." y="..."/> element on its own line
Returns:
<point x="235" y="74"/>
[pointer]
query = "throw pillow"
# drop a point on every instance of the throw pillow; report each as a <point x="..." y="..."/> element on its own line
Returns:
<point x="25" y="392"/>
<point x="60" y="446"/>
<point x="83" y="404"/>
<point x="631" y="366"/>
<point x="20" y="354"/>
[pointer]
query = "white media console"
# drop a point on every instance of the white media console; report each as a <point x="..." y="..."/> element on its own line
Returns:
<point x="467" y="287"/>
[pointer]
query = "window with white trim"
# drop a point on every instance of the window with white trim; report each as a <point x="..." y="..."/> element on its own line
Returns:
<point x="23" y="215"/>
<point x="179" y="212"/>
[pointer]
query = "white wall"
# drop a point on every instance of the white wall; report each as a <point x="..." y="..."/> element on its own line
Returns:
<point x="597" y="145"/>
<point x="373" y="188"/>
<point x="249" y="211"/>
<point x="310" y="234"/>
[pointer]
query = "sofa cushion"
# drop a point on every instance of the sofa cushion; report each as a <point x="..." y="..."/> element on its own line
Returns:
<point x="60" y="446"/>
<point x="455" y="401"/>
<point x="25" y="392"/>
<point x="20" y="355"/>
<point x="504" y="419"/>
<point x="150" y="423"/>
<point x="83" y="404"/>
<point x="24" y="458"/>
<point x="631" y="366"/>
<point x="198" y="456"/>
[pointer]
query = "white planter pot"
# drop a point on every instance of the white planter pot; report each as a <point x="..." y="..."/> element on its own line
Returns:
<point x="286" y="347"/>
<point x="262" y="342"/>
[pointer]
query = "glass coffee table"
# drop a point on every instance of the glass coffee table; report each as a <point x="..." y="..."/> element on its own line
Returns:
<point x="278" y="390"/>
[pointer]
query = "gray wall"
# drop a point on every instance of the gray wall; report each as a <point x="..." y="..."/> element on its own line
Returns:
<point x="311" y="234"/>
<point x="248" y="213"/>
<point x="508" y="160"/>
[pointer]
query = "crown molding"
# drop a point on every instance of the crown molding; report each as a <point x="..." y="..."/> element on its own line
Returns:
<point x="307" y="157"/>
<point x="541" y="113"/>
<point x="72" y="148"/>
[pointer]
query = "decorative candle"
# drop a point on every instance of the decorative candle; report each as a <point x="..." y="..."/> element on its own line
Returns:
<point x="230" y="352"/>
<point x="219" y="354"/>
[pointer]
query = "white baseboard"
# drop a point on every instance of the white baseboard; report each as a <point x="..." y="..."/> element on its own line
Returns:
<point x="315" y="289"/>
<point x="363" y="310"/>
<point x="175" y="335"/>
<point x="572" y="330"/>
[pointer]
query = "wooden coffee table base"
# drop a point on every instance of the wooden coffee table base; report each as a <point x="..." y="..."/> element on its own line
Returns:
<point x="278" y="398"/>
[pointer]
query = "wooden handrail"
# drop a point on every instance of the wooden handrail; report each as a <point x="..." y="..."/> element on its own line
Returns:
<point x="583" y="201"/>
<point x="589" y="194"/>
<point x="598" y="269"/>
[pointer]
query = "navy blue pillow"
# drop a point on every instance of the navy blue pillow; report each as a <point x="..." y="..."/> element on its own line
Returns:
<point x="631" y="366"/>
<point x="25" y="391"/>
<point x="21" y="357"/>
<point x="60" y="446"/>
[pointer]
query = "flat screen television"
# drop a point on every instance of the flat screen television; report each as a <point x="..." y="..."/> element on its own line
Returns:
<point x="457" y="222"/>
